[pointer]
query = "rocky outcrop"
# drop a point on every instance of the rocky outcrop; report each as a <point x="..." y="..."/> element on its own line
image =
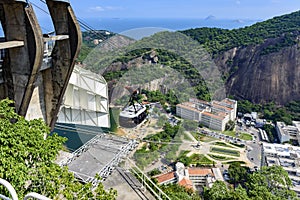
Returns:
<point x="262" y="76"/>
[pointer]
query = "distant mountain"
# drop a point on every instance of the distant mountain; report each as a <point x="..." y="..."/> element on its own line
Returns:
<point x="238" y="21"/>
<point x="260" y="62"/>
<point x="210" y="17"/>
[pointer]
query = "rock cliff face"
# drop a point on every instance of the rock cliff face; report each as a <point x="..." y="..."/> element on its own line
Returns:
<point x="261" y="76"/>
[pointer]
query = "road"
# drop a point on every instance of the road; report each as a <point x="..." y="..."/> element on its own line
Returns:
<point x="254" y="153"/>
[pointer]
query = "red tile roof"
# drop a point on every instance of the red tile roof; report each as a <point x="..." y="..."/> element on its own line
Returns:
<point x="188" y="106"/>
<point x="165" y="177"/>
<point x="200" y="171"/>
<point x="215" y="116"/>
<point x="187" y="183"/>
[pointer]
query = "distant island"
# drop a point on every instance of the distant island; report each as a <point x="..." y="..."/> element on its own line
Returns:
<point x="211" y="17"/>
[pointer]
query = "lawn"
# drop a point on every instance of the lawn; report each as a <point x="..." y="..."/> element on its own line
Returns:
<point x="187" y="137"/>
<point x="222" y="144"/>
<point x="231" y="162"/>
<point x="246" y="136"/>
<point x="225" y="151"/>
<point x="196" y="159"/>
<point x="243" y="136"/>
<point x="203" y="137"/>
<point x="230" y="133"/>
<point x="220" y="158"/>
<point x="200" y="159"/>
<point x="238" y="145"/>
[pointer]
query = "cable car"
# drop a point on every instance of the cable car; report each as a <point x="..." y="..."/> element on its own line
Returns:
<point x="133" y="113"/>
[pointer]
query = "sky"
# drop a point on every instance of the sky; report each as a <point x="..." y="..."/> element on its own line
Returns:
<point x="221" y="9"/>
<point x="169" y="9"/>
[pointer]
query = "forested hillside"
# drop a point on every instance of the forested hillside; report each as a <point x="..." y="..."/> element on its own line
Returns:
<point x="217" y="40"/>
<point x="258" y="63"/>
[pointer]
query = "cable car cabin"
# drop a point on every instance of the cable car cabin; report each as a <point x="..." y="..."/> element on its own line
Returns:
<point x="131" y="116"/>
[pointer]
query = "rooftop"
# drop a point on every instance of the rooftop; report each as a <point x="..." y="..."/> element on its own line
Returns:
<point x="219" y="105"/>
<point x="130" y="112"/>
<point x="220" y="116"/>
<point x="200" y="171"/>
<point x="281" y="149"/>
<point x="165" y="177"/>
<point x="189" y="106"/>
<point x="229" y="101"/>
<point x="187" y="183"/>
<point x="218" y="174"/>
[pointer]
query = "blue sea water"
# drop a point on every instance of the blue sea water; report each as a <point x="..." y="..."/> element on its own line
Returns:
<point x="119" y="25"/>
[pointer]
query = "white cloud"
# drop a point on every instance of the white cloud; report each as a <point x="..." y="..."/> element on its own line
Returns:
<point x="97" y="9"/>
<point x="105" y="8"/>
<point x="238" y="2"/>
<point x="113" y="8"/>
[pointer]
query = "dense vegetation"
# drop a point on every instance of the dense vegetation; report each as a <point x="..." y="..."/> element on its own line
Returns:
<point x="27" y="160"/>
<point x="160" y="143"/>
<point x="216" y="40"/>
<point x="174" y="52"/>
<point x="272" y="112"/>
<point x="270" y="183"/>
<point x="282" y="31"/>
<point x="177" y="192"/>
<point x="175" y="67"/>
<point x="88" y="44"/>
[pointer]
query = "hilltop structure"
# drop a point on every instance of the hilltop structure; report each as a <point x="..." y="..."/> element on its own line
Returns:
<point x="22" y="77"/>
<point x="86" y="100"/>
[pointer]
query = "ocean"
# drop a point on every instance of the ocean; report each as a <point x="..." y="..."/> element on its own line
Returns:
<point x="119" y="25"/>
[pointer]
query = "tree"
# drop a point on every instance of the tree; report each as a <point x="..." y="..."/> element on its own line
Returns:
<point x="271" y="131"/>
<point x="190" y="125"/>
<point x="271" y="183"/>
<point x="237" y="173"/>
<point x="154" y="172"/>
<point x="239" y="193"/>
<point x="218" y="191"/>
<point x="27" y="160"/>
<point x="230" y="125"/>
<point x="177" y="192"/>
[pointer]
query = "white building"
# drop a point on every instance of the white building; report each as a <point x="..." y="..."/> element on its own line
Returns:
<point x="215" y="120"/>
<point x="286" y="156"/>
<point x="288" y="133"/>
<point x="226" y="105"/>
<point x="85" y="100"/>
<point x="192" y="178"/>
<point x="188" y="110"/>
<point x="214" y="115"/>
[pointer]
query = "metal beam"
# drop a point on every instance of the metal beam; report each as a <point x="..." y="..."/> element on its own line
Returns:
<point x="55" y="38"/>
<point x="11" y="44"/>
